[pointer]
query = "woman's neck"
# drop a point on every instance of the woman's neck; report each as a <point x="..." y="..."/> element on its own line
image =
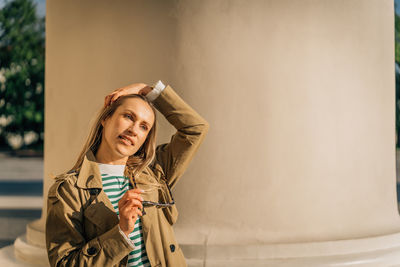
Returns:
<point x="104" y="157"/>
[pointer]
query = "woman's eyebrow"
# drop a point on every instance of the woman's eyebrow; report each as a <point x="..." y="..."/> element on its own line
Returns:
<point x="134" y="114"/>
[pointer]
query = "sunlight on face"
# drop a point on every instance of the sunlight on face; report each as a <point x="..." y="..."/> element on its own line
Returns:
<point x="126" y="130"/>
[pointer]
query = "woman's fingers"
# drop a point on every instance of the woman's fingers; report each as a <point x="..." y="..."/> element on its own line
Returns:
<point x="131" y="203"/>
<point x="135" y="88"/>
<point x="128" y="197"/>
<point x="111" y="97"/>
<point x="139" y="212"/>
<point x="126" y="209"/>
<point x="129" y="209"/>
<point x="136" y="190"/>
<point x="115" y="97"/>
<point x="129" y="212"/>
<point x="134" y="203"/>
<point x="134" y="212"/>
<point x="132" y="193"/>
<point x="107" y="99"/>
<point x="131" y="197"/>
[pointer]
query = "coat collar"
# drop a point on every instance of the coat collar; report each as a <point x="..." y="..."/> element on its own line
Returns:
<point x="89" y="175"/>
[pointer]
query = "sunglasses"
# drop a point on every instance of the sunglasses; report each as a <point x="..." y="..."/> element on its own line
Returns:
<point x="158" y="205"/>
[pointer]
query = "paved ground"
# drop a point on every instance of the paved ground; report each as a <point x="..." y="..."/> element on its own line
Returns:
<point x="21" y="190"/>
<point x="20" y="169"/>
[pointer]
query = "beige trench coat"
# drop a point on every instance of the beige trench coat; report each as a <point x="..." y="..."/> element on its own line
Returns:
<point x="78" y="234"/>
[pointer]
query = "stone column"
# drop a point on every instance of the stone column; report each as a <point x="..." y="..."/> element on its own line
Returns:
<point x="299" y="165"/>
<point x="298" y="168"/>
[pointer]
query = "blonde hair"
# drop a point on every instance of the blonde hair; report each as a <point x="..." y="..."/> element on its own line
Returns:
<point x="136" y="162"/>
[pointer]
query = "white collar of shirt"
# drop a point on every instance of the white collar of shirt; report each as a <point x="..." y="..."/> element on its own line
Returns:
<point x="112" y="170"/>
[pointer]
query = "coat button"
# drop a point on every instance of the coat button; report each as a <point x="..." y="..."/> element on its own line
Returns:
<point x="91" y="250"/>
<point x="172" y="247"/>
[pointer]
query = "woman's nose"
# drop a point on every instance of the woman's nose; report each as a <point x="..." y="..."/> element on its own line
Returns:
<point x="133" y="129"/>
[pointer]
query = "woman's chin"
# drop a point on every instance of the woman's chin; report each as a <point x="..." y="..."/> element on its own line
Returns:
<point x="125" y="151"/>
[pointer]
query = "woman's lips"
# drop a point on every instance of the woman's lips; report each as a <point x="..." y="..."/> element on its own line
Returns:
<point x="126" y="140"/>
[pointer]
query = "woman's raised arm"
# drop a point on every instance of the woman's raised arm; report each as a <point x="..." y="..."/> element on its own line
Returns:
<point x="175" y="156"/>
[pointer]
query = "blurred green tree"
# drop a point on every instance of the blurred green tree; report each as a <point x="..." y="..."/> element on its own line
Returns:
<point x="22" y="48"/>
<point x="397" y="37"/>
<point x="397" y="63"/>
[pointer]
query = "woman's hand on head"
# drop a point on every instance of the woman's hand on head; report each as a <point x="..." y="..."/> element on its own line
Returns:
<point x="135" y="88"/>
<point x="129" y="206"/>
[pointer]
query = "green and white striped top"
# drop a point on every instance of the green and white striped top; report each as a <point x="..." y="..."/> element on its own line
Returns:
<point x="115" y="184"/>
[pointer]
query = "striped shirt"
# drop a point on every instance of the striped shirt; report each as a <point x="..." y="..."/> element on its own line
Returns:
<point x="115" y="184"/>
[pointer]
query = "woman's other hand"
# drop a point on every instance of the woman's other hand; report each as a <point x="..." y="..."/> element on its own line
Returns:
<point x="135" y="88"/>
<point x="129" y="211"/>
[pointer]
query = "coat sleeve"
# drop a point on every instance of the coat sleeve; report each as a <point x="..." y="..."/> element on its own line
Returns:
<point x="65" y="241"/>
<point x="175" y="156"/>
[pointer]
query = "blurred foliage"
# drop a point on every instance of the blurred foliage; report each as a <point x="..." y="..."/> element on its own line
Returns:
<point x="22" y="51"/>
<point x="397" y="108"/>
<point x="397" y="61"/>
<point x="397" y="37"/>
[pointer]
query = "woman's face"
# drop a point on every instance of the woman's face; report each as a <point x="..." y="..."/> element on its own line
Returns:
<point x="126" y="130"/>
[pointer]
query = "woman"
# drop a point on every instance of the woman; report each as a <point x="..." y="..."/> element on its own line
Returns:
<point x="94" y="213"/>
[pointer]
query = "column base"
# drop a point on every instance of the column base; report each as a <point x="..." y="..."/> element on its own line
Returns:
<point x="31" y="247"/>
<point x="7" y="258"/>
<point x="32" y="256"/>
<point x="378" y="259"/>
<point x="28" y="253"/>
<point x="373" y="251"/>
<point x="35" y="233"/>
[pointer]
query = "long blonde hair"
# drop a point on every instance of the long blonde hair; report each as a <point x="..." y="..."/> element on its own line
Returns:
<point x="136" y="162"/>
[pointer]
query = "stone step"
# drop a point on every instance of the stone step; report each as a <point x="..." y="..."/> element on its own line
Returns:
<point x="21" y="202"/>
<point x="21" y="199"/>
<point x="13" y="223"/>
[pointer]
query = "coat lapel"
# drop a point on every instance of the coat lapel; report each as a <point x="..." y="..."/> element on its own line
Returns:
<point x="101" y="211"/>
<point x="89" y="175"/>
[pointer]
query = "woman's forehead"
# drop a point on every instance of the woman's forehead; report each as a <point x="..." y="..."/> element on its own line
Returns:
<point x="139" y="108"/>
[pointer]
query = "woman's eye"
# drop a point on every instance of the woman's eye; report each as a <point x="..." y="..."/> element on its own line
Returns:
<point x="128" y="116"/>
<point x="144" y="127"/>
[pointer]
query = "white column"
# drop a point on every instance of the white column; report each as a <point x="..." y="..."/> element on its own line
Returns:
<point x="299" y="164"/>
